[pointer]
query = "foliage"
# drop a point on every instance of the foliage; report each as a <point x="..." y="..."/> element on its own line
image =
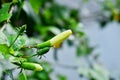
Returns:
<point x="26" y="34"/>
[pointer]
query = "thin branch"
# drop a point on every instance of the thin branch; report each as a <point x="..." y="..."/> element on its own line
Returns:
<point x="29" y="47"/>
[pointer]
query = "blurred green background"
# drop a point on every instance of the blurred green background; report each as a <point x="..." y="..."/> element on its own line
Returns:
<point x="90" y="53"/>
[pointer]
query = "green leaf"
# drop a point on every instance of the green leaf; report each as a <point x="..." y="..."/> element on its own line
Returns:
<point x="29" y="11"/>
<point x="4" y="15"/>
<point x="43" y="75"/>
<point x="99" y="72"/>
<point x="4" y="49"/>
<point x="11" y="51"/>
<point x="61" y="77"/>
<point x="15" y="1"/>
<point x="11" y="38"/>
<point x="3" y="38"/>
<point x="80" y="34"/>
<point x="81" y="50"/>
<point x="5" y="8"/>
<point x="22" y="76"/>
<point x="20" y="42"/>
<point x="9" y="72"/>
<point x="35" y="5"/>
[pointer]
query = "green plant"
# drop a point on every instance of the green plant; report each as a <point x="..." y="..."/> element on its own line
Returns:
<point x="43" y="19"/>
<point x="21" y="60"/>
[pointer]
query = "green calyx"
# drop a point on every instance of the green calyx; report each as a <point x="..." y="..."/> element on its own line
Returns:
<point x="44" y="44"/>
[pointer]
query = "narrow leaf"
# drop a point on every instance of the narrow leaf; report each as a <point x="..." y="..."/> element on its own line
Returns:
<point x="22" y="76"/>
<point x="4" y="15"/>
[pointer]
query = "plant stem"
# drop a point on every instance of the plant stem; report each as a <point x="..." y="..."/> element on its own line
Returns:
<point x="14" y="40"/>
<point x="21" y="31"/>
<point x="29" y="47"/>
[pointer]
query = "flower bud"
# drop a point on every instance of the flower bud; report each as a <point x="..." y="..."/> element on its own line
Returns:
<point x="31" y="66"/>
<point x="55" y="41"/>
<point x="43" y="51"/>
<point x="58" y="39"/>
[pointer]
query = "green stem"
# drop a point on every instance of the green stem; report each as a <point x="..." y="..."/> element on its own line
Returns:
<point x="29" y="47"/>
<point x="14" y="40"/>
<point x="21" y="31"/>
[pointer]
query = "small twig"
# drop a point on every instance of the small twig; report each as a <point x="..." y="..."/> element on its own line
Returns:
<point x="3" y="27"/>
<point x="29" y="47"/>
<point x="21" y="31"/>
<point x="13" y="41"/>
